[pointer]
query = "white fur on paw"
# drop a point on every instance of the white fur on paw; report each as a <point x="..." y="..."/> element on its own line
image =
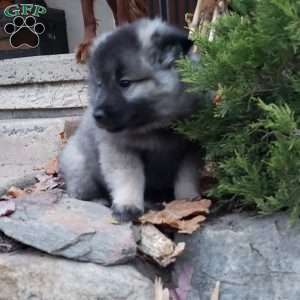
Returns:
<point x="126" y="213"/>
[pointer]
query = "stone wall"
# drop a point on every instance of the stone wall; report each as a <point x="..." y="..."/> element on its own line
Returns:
<point x="39" y="97"/>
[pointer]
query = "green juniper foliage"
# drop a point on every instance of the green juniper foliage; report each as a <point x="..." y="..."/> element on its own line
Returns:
<point x="253" y="132"/>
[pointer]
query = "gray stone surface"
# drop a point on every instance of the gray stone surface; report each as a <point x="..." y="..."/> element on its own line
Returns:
<point x="26" y="145"/>
<point x="42" y="82"/>
<point x="254" y="258"/>
<point x="75" y="229"/>
<point x="38" y="69"/>
<point x="33" y="276"/>
<point x="44" y="96"/>
<point x="37" y="95"/>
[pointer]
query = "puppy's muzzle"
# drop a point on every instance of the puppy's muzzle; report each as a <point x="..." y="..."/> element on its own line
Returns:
<point x="109" y="119"/>
<point x="99" y="115"/>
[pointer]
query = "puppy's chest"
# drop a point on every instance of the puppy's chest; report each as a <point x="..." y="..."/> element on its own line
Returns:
<point x="161" y="163"/>
<point x="159" y="141"/>
<point x="161" y="166"/>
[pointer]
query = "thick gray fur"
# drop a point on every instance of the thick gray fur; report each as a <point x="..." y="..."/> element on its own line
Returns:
<point x="124" y="146"/>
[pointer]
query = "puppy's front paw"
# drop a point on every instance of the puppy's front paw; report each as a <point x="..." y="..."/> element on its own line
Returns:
<point x="126" y="213"/>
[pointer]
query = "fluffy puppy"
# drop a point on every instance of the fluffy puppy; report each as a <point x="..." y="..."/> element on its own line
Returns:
<point x="125" y="147"/>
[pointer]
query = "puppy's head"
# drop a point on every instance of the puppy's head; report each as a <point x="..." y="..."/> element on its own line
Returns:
<point x="133" y="83"/>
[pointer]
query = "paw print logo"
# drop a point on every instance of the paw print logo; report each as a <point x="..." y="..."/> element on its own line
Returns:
<point x="24" y="31"/>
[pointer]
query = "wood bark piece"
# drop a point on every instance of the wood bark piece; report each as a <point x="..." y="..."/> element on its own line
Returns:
<point x="159" y="247"/>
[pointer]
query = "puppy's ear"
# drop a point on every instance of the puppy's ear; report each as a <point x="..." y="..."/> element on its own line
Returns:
<point x="169" y="46"/>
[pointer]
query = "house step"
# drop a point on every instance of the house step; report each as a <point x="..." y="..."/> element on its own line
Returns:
<point x="40" y="96"/>
<point x="42" y="82"/>
<point x="41" y="69"/>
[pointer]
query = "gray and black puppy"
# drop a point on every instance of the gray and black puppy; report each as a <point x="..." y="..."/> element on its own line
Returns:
<point x="125" y="147"/>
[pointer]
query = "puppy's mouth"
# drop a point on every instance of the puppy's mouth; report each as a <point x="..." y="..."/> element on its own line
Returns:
<point x="110" y="127"/>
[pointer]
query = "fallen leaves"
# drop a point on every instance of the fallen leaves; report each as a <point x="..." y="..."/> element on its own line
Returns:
<point x="46" y="183"/>
<point x="182" y="215"/>
<point x="48" y="180"/>
<point x="7" y="202"/>
<point x="15" y="192"/>
<point x="52" y="167"/>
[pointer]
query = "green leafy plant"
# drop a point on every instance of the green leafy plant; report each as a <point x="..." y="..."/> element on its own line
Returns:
<point x="252" y="133"/>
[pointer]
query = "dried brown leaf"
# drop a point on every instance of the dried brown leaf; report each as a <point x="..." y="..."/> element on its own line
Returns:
<point x="189" y="226"/>
<point x="52" y="167"/>
<point x="174" y="213"/>
<point x="15" y="192"/>
<point x="45" y="183"/>
<point x="7" y="207"/>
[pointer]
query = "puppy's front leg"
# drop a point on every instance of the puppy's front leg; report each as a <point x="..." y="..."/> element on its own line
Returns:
<point x="124" y="175"/>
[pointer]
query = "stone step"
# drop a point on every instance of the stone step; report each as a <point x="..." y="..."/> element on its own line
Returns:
<point x="42" y="82"/>
<point x="39" y="69"/>
<point x="253" y="257"/>
<point x="30" y="275"/>
<point x="27" y="144"/>
<point x="38" y="96"/>
<point x="44" y="96"/>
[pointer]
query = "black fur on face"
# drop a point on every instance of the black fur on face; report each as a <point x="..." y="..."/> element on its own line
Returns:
<point x="132" y="76"/>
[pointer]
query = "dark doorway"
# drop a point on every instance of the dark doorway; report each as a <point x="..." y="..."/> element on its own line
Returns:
<point x="172" y="11"/>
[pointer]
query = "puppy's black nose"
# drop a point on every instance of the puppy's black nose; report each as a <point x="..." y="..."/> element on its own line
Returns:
<point x="99" y="114"/>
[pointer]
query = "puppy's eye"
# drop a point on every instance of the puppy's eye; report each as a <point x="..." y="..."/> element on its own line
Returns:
<point x="125" y="83"/>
